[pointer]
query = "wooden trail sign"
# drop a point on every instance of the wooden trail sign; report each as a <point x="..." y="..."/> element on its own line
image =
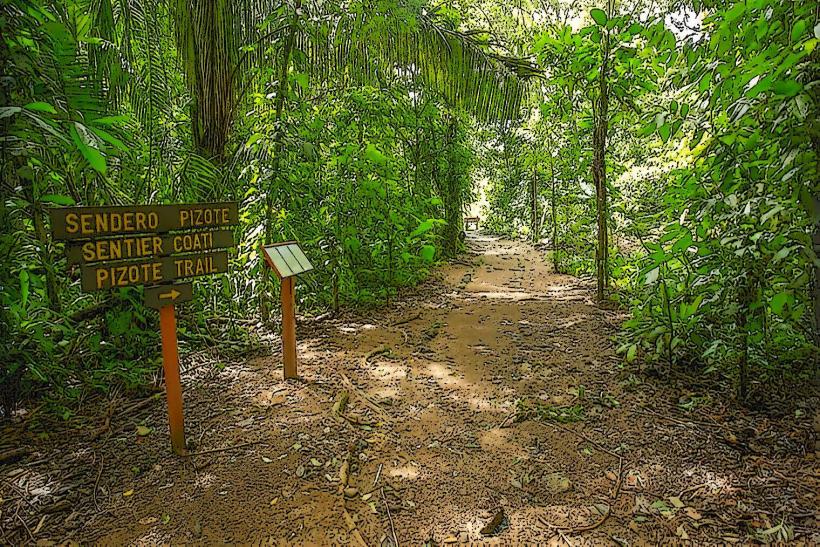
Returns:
<point x="93" y="222"/>
<point x="288" y="260"/>
<point x="153" y="245"/>
<point x="126" y="273"/>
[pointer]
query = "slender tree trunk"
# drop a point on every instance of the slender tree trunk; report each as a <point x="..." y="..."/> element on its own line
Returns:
<point x="534" y="205"/>
<point x="554" y="205"/>
<point x="599" y="171"/>
<point x="452" y="200"/>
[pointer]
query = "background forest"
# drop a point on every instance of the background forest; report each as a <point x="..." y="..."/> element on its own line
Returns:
<point x="668" y="149"/>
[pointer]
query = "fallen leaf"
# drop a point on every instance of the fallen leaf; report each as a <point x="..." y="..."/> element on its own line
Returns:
<point x="266" y="460"/>
<point x="681" y="531"/>
<point x="611" y="476"/>
<point x="148" y="520"/>
<point x="142" y="431"/>
<point x="315" y="462"/>
<point x="674" y="500"/>
<point x="166" y="519"/>
<point x="693" y="513"/>
<point x="367" y="497"/>
<point x="127" y="493"/>
<point x="273" y="501"/>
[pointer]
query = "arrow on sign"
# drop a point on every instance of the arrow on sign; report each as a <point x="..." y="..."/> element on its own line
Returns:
<point x="159" y="296"/>
<point x="172" y="295"/>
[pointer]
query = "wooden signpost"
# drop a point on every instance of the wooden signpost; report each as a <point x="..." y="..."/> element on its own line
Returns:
<point x="288" y="260"/>
<point x="153" y="245"/>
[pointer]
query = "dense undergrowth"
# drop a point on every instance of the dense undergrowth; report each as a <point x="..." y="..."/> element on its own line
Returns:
<point x="324" y="141"/>
<point x="710" y="200"/>
<point x="670" y="152"/>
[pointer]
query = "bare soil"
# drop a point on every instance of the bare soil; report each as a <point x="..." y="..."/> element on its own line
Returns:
<point x="486" y="406"/>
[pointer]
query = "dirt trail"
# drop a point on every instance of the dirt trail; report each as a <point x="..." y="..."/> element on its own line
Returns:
<point x="433" y="432"/>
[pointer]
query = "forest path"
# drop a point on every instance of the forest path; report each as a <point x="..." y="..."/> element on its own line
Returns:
<point x="433" y="431"/>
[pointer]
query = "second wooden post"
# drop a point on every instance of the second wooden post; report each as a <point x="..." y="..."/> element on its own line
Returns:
<point x="289" y="327"/>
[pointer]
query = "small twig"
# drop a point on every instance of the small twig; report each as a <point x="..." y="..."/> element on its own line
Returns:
<point x="407" y="320"/>
<point x="378" y="474"/>
<point x="97" y="482"/>
<point x="688" y="423"/>
<point x="556" y="529"/>
<point x="17" y="514"/>
<point x="225" y="449"/>
<point x="390" y="518"/>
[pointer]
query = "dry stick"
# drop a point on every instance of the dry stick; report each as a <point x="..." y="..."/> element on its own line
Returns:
<point x="403" y="321"/>
<point x="551" y="526"/>
<point x="361" y="395"/>
<point x="378" y="474"/>
<point x="227" y="448"/>
<point x="390" y="518"/>
<point x="97" y="482"/>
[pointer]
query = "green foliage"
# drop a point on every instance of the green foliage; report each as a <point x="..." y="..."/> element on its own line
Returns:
<point x="342" y="128"/>
<point x="712" y="173"/>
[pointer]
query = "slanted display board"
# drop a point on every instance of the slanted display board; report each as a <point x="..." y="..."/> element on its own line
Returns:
<point x="287" y="259"/>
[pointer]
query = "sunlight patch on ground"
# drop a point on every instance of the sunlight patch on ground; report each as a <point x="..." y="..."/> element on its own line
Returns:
<point x="409" y="471"/>
<point x="389" y="371"/>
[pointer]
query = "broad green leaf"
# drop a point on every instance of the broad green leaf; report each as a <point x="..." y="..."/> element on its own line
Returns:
<point x="427" y="253"/>
<point x="92" y="155"/>
<point x="665" y="131"/>
<point x="599" y="16"/>
<point x="788" y="88"/>
<point x="778" y="302"/>
<point x="58" y="199"/>
<point x="40" y="107"/>
<point x="735" y="11"/>
<point x="374" y="154"/>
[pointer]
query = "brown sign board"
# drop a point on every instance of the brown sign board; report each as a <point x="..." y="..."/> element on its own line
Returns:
<point x="127" y="273"/>
<point x="147" y="245"/>
<point x="162" y="295"/>
<point x="69" y="223"/>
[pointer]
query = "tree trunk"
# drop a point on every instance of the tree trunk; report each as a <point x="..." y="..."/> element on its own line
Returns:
<point x="204" y="29"/>
<point x="534" y="205"/>
<point x="554" y="205"/>
<point x="452" y="198"/>
<point x="599" y="172"/>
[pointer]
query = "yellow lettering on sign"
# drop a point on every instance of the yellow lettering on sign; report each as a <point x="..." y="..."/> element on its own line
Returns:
<point x="200" y="217"/>
<point x="102" y="277"/>
<point x="72" y="223"/>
